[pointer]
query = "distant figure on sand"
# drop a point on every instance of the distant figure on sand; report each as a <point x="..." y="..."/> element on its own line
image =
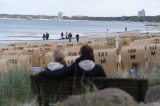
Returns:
<point x="70" y="36"/>
<point x="44" y="36"/>
<point x="66" y="34"/>
<point x="125" y="28"/>
<point x="62" y="35"/>
<point x="47" y="36"/>
<point x="77" y="37"/>
<point x="107" y="29"/>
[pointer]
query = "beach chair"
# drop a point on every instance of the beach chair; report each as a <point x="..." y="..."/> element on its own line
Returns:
<point x="111" y="43"/>
<point x="152" y="56"/>
<point x="35" y="55"/>
<point x="108" y="58"/>
<point x="23" y="62"/>
<point x="98" y="45"/>
<point x="132" y="54"/>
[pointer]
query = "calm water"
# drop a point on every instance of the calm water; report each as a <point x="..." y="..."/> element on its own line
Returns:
<point x="12" y="30"/>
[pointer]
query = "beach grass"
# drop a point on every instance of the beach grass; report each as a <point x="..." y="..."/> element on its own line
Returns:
<point x="15" y="87"/>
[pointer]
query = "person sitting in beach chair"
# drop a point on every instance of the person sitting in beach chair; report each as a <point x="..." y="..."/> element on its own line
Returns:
<point x="55" y="69"/>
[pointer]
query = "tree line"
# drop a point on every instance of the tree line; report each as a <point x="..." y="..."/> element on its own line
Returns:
<point x="123" y="18"/>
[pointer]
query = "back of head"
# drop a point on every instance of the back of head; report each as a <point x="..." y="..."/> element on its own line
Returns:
<point x="87" y="52"/>
<point x="58" y="56"/>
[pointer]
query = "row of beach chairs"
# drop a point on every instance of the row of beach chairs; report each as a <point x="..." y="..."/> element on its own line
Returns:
<point x="114" y="60"/>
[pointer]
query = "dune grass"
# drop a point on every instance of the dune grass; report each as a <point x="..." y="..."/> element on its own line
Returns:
<point x="14" y="87"/>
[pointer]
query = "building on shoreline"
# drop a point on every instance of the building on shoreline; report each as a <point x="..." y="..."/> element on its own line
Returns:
<point x="141" y="13"/>
<point x="60" y="15"/>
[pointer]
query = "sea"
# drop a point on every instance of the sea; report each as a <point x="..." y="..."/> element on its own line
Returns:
<point x="12" y="30"/>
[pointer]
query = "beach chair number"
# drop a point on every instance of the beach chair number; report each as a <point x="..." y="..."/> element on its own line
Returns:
<point x="132" y="53"/>
<point x="12" y="61"/>
<point x="156" y="40"/>
<point x="30" y="51"/>
<point x="153" y="48"/>
<point x="72" y="53"/>
<point x="102" y="54"/>
<point x="70" y="62"/>
<point x="131" y="50"/>
<point x="47" y="49"/>
<point x="70" y="44"/>
<point x="35" y="46"/>
<point x="103" y="61"/>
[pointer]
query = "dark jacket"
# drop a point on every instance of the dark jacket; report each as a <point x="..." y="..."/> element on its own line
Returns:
<point x="47" y="35"/>
<point x="77" y="36"/>
<point x="86" y="68"/>
<point x="54" y="70"/>
<point x="69" y="35"/>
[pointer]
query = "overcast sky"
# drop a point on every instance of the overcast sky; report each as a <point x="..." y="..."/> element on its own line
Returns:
<point x="80" y="7"/>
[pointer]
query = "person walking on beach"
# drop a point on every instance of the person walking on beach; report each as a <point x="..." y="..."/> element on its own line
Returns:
<point x="107" y="29"/>
<point x="47" y="36"/>
<point x="44" y="36"/>
<point x="77" y="37"/>
<point x="66" y="34"/>
<point x="70" y="36"/>
<point x="125" y="28"/>
<point x="62" y="35"/>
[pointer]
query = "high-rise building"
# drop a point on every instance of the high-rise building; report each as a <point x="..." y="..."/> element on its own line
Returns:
<point x="60" y="15"/>
<point x="141" y="13"/>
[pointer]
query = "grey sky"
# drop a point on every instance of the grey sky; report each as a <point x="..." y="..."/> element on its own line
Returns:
<point x="80" y="7"/>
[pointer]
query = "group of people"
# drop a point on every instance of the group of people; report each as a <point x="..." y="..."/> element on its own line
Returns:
<point x="45" y="36"/>
<point x="69" y="36"/>
<point x="83" y="66"/>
